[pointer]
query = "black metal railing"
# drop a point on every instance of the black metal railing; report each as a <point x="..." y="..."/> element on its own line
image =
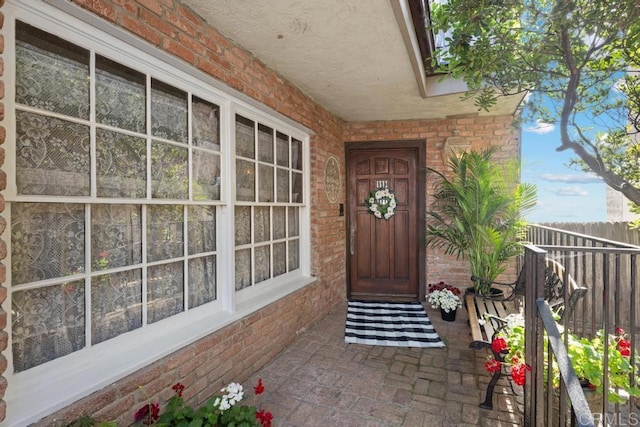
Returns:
<point x="609" y="270"/>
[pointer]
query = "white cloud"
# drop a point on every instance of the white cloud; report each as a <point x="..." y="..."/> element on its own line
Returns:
<point x="541" y="128"/>
<point x="572" y="179"/>
<point x="569" y="191"/>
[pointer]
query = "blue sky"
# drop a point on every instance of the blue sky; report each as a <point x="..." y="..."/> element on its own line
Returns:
<point x="564" y="194"/>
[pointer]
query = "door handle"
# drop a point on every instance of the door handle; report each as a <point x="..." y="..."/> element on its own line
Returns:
<point x="352" y="239"/>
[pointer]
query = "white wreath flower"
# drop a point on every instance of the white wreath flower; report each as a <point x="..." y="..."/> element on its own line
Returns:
<point x="381" y="203"/>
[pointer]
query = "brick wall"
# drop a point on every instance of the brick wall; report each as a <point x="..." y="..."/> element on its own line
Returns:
<point x="478" y="131"/>
<point x="204" y="367"/>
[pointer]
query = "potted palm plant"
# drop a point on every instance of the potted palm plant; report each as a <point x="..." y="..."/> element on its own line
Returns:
<point x="476" y="213"/>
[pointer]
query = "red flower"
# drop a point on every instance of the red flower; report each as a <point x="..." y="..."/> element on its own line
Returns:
<point x="619" y="331"/>
<point x="155" y="411"/>
<point x="141" y="413"/>
<point x="178" y="388"/>
<point x="492" y="365"/>
<point x="104" y="254"/>
<point x="624" y="347"/>
<point x="147" y="414"/>
<point x="264" y="418"/>
<point x="518" y="373"/>
<point x="259" y="389"/>
<point x="442" y="286"/>
<point x="499" y="345"/>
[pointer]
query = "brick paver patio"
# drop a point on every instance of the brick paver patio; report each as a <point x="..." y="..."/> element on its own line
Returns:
<point x="321" y="381"/>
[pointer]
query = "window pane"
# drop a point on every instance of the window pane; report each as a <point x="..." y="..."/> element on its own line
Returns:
<point x="265" y="144"/>
<point x="206" y="175"/>
<point x="47" y="241"/>
<point x="116" y="236"/>
<point x="165" y="291"/>
<point x="294" y="218"/>
<point x="116" y="304"/>
<point x="245" y="138"/>
<point x="266" y="183"/>
<point x="243" y="269"/>
<point x="279" y="258"/>
<point x="51" y="74"/>
<point x="120" y="96"/>
<point x="262" y="231"/>
<point x="165" y="234"/>
<point x="294" y="255"/>
<point x="168" y="112"/>
<point x="245" y="181"/>
<point x="296" y="190"/>
<point x="263" y="263"/>
<point x="121" y="165"/>
<point x="243" y="225"/>
<point x="296" y="154"/>
<point x="283" y="185"/>
<point x="282" y="149"/>
<point x="47" y="323"/>
<point x="169" y="171"/>
<point x="202" y="280"/>
<point x="53" y="156"/>
<point x="206" y="124"/>
<point x="279" y="223"/>
<point x="201" y="229"/>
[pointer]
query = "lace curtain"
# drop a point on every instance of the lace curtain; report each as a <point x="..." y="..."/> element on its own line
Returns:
<point x="53" y="158"/>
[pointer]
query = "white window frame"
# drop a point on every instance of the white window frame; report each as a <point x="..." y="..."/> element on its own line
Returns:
<point x="43" y="389"/>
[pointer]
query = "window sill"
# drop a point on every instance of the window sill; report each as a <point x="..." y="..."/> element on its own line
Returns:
<point x="44" y="389"/>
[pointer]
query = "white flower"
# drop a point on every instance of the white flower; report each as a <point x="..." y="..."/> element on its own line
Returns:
<point x="379" y="195"/>
<point x="372" y="200"/>
<point x="224" y="405"/>
<point x="392" y="203"/>
<point x="444" y="299"/>
<point x="377" y="214"/>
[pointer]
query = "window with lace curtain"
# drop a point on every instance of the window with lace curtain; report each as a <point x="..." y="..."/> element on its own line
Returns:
<point x="118" y="181"/>
<point x="268" y="198"/>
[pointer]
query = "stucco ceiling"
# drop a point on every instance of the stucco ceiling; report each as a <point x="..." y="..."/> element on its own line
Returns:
<point x="349" y="56"/>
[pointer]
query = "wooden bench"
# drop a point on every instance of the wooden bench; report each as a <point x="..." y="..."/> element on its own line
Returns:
<point x="483" y="328"/>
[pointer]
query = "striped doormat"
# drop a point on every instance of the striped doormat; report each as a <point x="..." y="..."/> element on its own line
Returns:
<point x="392" y="324"/>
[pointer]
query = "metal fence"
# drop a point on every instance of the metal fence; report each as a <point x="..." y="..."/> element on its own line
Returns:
<point x="609" y="270"/>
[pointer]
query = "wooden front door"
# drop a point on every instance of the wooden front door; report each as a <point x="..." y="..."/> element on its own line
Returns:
<point x="385" y="255"/>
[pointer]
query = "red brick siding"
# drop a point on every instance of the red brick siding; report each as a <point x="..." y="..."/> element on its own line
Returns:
<point x="478" y="131"/>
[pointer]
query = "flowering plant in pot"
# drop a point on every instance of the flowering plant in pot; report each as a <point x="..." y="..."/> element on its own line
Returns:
<point x="586" y="354"/>
<point x="444" y="297"/>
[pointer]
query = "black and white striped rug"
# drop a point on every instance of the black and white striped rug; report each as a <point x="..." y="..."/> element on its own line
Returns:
<point x="390" y="324"/>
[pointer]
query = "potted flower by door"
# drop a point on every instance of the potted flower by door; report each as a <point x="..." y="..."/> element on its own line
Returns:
<point x="446" y="298"/>
<point x="476" y="213"/>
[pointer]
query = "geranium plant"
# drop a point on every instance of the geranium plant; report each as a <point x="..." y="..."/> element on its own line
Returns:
<point x="444" y="297"/>
<point x="508" y="344"/>
<point x="586" y="354"/>
<point x="220" y="410"/>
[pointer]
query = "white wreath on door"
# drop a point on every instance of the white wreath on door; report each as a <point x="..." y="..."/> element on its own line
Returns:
<point x="381" y="203"/>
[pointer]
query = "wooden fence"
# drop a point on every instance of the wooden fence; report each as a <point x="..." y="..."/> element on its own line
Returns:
<point x="616" y="231"/>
